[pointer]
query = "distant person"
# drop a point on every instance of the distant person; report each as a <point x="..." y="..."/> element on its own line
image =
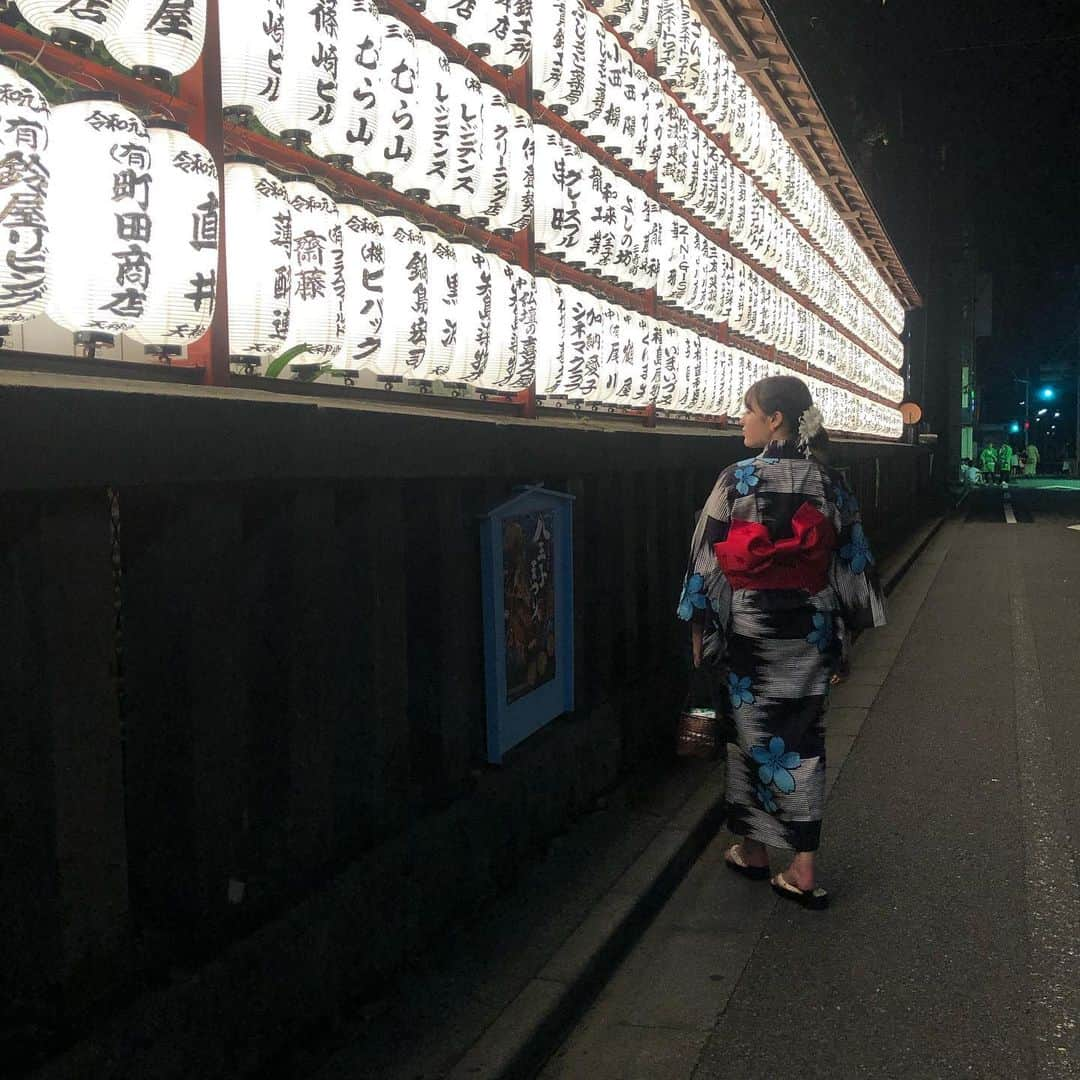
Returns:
<point x="988" y="459"/>
<point x="780" y="576"/>
<point x="1005" y="461"/>
<point x="1031" y="461"/>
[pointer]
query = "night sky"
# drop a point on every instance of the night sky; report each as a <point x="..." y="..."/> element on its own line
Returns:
<point x="994" y="87"/>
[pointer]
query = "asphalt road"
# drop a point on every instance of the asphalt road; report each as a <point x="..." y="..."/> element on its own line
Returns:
<point x="950" y="847"/>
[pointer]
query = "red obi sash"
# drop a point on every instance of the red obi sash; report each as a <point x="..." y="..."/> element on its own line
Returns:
<point x="751" y="560"/>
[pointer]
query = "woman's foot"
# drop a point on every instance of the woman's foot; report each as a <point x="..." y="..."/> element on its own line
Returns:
<point x="801" y="871"/>
<point x="748" y="853"/>
<point x="816" y="899"/>
<point x="750" y="860"/>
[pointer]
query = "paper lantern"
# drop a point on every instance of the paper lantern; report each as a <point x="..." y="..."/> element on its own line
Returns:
<point x="550" y="26"/>
<point x="641" y="357"/>
<point x="397" y="139"/>
<point x="550" y="337"/>
<point x="549" y="183"/>
<point x="24" y="220"/>
<point x="474" y="315"/>
<point x="101" y="215"/>
<point x="362" y="248"/>
<point x="640" y="24"/>
<point x="563" y="197"/>
<point x="672" y="54"/>
<point x="510" y="35"/>
<point x="521" y="362"/>
<point x="670" y="358"/>
<point x="259" y="259"/>
<point x="74" y="23"/>
<point x="602" y="225"/>
<point x="443" y="296"/>
<point x="466" y="141"/>
<point x="518" y="211"/>
<point x="405" y="318"/>
<point x="426" y="171"/>
<point x="567" y="92"/>
<point x="609" y="355"/>
<point x="498" y="30"/>
<point x="356" y="131"/>
<point x="579" y="316"/>
<point x="493" y="174"/>
<point x="585" y="98"/>
<point x="502" y="331"/>
<point x="158" y="39"/>
<point x="318" y="300"/>
<point x="252" y="38"/>
<point x="300" y="98"/>
<point x="183" y="246"/>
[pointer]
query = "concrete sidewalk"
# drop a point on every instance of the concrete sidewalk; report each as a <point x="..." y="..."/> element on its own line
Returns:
<point x="498" y="999"/>
<point x="655" y="1018"/>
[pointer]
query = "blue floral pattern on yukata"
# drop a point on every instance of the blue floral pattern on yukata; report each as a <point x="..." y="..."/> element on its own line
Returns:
<point x="765" y="797"/>
<point x="775" y="764"/>
<point x="822" y="634"/>
<point x="857" y="552"/>
<point x="693" y="597"/>
<point x="746" y="477"/>
<point x="846" y="501"/>
<point x="740" y="690"/>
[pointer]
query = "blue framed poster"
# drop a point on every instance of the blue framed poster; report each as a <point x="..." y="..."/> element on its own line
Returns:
<point x="527" y="572"/>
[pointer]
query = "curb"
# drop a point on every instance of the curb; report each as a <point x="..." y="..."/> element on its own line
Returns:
<point x="523" y="1037"/>
<point x="530" y="1028"/>
<point x="908" y="555"/>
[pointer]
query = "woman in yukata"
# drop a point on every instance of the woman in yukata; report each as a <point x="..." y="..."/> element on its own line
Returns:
<point x="780" y="576"/>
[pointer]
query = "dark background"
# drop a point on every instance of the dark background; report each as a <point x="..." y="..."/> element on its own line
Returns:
<point x="973" y="107"/>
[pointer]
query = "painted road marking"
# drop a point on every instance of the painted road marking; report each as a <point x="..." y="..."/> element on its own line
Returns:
<point x="1075" y="528"/>
<point x="1053" y="899"/>
<point x="1010" y="517"/>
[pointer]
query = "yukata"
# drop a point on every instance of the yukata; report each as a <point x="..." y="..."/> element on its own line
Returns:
<point x="780" y="574"/>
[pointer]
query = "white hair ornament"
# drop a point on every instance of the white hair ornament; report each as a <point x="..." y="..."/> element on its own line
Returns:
<point x="811" y="424"/>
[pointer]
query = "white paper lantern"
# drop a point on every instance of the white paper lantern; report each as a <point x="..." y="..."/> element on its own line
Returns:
<point x="550" y="336"/>
<point x="640" y="24"/>
<point x="466" y="140"/>
<point x="500" y="357"/>
<point x="511" y="35"/>
<point x="517" y="211"/>
<point x="101" y="214"/>
<point x="493" y="174"/>
<point x="567" y="92"/>
<point x="550" y="27"/>
<point x="252" y="39"/>
<point x="405" y="315"/>
<point x="422" y="176"/>
<point x="318" y="298"/>
<point x="159" y="38"/>
<point x="498" y="30"/>
<point x="363" y="251"/>
<point x="259" y="259"/>
<point x="443" y="311"/>
<point x="670" y="357"/>
<point x="183" y="246"/>
<point x="75" y="23"/>
<point x="521" y="361"/>
<point x="24" y="220"/>
<point x="474" y="315"/>
<point x="301" y="99"/>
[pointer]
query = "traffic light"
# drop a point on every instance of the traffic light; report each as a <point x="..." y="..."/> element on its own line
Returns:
<point x="1014" y="428"/>
<point x="1047" y="393"/>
